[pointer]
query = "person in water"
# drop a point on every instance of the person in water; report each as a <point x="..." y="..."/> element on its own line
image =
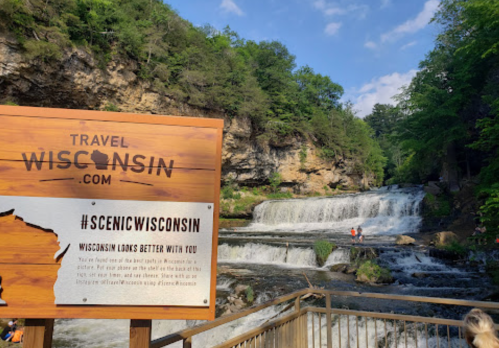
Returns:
<point x="479" y="330"/>
<point x="352" y="231"/>
<point x="360" y="237"/>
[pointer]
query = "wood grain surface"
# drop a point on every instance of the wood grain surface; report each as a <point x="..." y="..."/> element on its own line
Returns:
<point x="188" y="147"/>
<point x="28" y="270"/>
<point x="184" y="185"/>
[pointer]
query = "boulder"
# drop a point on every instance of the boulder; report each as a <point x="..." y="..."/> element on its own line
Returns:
<point x="404" y="240"/>
<point x="444" y="238"/>
<point x="433" y="188"/>
<point x="382" y="279"/>
<point x="370" y="272"/>
<point x="340" y="267"/>
<point x="240" y="289"/>
<point x="351" y="270"/>
<point x="420" y="275"/>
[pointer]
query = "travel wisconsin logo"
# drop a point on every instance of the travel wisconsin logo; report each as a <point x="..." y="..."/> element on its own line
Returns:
<point x="98" y="159"/>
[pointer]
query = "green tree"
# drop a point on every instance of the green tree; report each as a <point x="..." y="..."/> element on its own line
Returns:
<point x="275" y="180"/>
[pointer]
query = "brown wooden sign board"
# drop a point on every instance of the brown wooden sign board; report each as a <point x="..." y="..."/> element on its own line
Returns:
<point x="146" y="158"/>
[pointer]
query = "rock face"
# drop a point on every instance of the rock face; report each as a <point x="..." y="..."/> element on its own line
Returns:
<point x="77" y="82"/>
<point x="404" y="240"/>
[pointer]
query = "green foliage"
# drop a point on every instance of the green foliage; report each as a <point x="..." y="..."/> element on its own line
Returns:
<point x="490" y="209"/>
<point x="323" y="249"/>
<point x="439" y="206"/>
<point x="111" y="107"/>
<point x="280" y="195"/>
<point x="492" y="268"/>
<point x="449" y="111"/>
<point x="384" y="120"/>
<point x="11" y="103"/>
<point x="327" y="154"/>
<point x="228" y="192"/>
<point x="250" y="295"/>
<point x="275" y="180"/>
<point x="303" y="156"/>
<point x="373" y="271"/>
<point x="456" y="247"/>
<point x="42" y="49"/>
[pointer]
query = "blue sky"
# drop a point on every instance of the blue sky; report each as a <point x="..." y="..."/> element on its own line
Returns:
<point x="370" y="47"/>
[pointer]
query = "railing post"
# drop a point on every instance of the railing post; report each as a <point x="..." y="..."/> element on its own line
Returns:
<point x="187" y="342"/>
<point x="328" y="321"/>
<point x="38" y="333"/>
<point x="140" y="333"/>
<point x="297" y="304"/>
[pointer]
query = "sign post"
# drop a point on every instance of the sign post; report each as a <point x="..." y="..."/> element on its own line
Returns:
<point x="107" y="215"/>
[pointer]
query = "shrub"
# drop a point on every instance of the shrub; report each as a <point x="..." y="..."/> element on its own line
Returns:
<point x="275" y="180"/>
<point x="42" y="49"/>
<point x="322" y="250"/>
<point x="456" y="247"/>
<point x="10" y="103"/>
<point x="111" y="107"/>
<point x="303" y="156"/>
<point x="250" y="295"/>
<point x="228" y="192"/>
<point x="327" y="154"/>
<point x="374" y="272"/>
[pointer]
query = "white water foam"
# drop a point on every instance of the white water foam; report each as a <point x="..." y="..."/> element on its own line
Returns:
<point x="412" y="262"/>
<point x="80" y="333"/>
<point x="266" y="254"/>
<point x="339" y="255"/>
<point x="225" y="285"/>
<point x="413" y="336"/>
<point x="389" y="210"/>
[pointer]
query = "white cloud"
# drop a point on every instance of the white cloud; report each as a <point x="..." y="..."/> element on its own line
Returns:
<point x="332" y="28"/>
<point x="413" y="25"/>
<point x="410" y="44"/>
<point x="230" y="6"/>
<point x="335" y="9"/>
<point x="379" y="90"/>
<point x="371" y="44"/>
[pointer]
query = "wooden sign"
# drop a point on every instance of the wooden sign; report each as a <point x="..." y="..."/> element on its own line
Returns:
<point x="108" y="215"/>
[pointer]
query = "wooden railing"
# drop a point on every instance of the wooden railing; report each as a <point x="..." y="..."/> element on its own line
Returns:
<point x="313" y="326"/>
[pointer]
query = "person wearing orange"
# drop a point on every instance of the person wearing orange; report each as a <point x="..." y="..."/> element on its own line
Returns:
<point x="18" y="336"/>
<point x="352" y="231"/>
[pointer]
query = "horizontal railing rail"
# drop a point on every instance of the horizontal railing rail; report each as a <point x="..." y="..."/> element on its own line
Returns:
<point x="292" y="329"/>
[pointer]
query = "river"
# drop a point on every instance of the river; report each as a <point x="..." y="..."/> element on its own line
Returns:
<point x="274" y="251"/>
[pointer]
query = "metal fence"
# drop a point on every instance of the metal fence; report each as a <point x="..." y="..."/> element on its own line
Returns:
<point x="331" y="327"/>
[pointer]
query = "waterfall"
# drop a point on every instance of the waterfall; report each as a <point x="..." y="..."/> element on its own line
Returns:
<point x="267" y="254"/>
<point x="339" y="255"/>
<point x="389" y="210"/>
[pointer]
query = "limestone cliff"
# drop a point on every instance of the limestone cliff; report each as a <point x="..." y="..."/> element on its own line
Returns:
<point x="78" y="82"/>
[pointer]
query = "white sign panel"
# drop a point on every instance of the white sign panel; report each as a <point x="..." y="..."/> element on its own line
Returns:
<point x="125" y="252"/>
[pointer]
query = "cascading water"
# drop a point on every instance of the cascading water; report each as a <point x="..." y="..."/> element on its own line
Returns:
<point x="267" y="254"/>
<point x="277" y="255"/>
<point x="389" y="210"/>
<point x="339" y="255"/>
